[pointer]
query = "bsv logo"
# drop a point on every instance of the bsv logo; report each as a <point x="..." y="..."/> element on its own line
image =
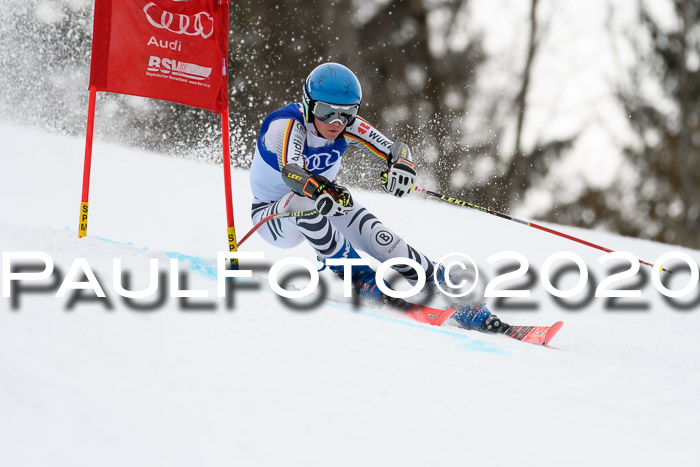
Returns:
<point x="199" y="24"/>
<point x="177" y="68"/>
<point x="320" y="162"/>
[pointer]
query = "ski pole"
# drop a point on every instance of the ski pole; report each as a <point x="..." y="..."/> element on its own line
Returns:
<point x="519" y="221"/>
<point x="280" y="215"/>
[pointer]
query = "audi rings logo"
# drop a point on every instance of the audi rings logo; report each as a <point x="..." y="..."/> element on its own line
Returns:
<point x="199" y="24"/>
<point x="320" y="162"/>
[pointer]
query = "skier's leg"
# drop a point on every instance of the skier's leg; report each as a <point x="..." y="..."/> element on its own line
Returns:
<point x="330" y="242"/>
<point x="334" y="237"/>
<point x="281" y="233"/>
<point x="321" y="235"/>
<point x="370" y="235"/>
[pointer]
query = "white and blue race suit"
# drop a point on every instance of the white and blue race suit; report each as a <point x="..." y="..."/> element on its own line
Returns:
<point x="285" y="137"/>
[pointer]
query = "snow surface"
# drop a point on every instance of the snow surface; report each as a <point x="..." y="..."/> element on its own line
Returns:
<point x="84" y="384"/>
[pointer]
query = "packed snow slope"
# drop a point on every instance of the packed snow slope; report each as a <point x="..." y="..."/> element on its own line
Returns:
<point x="88" y="382"/>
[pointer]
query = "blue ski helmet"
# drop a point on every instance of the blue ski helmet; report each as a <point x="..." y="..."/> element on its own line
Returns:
<point x="332" y="83"/>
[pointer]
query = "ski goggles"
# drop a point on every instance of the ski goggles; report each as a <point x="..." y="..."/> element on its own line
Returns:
<point x="329" y="113"/>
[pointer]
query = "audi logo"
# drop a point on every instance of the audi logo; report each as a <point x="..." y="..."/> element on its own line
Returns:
<point x="199" y="24"/>
<point x="322" y="161"/>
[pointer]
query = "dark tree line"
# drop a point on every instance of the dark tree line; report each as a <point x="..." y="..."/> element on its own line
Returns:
<point x="668" y="196"/>
<point x="411" y="91"/>
<point x="661" y="199"/>
<point x="419" y="86"/>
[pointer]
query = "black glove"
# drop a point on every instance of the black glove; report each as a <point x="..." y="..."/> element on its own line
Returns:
<point x="331" y="199"/>
<point x="400" y="177"/>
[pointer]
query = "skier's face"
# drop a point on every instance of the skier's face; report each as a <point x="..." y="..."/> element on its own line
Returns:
<point x="329" y="130"/>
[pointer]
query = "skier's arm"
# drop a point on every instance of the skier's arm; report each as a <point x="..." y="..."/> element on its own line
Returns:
<point x="285" y="137"/>
<point x="365" y="136"/>
<point x="331" y="199"/>
<point x="400" y="177"/>
<point x="400" y="173"/>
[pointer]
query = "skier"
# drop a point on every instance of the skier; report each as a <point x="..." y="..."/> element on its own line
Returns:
<point x="297" y="157"/>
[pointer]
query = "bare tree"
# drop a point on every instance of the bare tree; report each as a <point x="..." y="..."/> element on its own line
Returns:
<point x="663" y="201"/>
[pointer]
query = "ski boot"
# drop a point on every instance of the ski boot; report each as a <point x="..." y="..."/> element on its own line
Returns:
<point x="477" y="317"/>
<point x="365" y="285"/>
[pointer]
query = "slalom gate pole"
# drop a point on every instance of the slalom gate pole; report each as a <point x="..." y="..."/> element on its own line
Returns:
<point x="280" y="215"/>
<point x="519" y="221"/>
<point x="82" y="223"/>
<point x="231" y="230"/>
